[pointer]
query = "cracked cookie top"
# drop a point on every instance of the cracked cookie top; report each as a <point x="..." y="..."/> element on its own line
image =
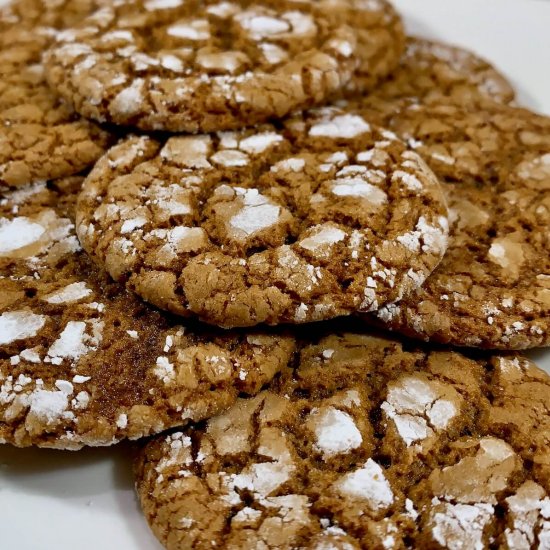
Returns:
<point x="322" y="216"/>
<point x="41" y="136"/>
<point x="82" y="361"/>
<point x="430" y="70"/>
<point x="367" y="444"/>
<point x="47" y="13"/>
<point x="210" y="65"/>
<point x="492" y="288"/>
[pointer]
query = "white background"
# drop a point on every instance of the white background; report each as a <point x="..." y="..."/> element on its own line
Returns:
<point x="50" y="500"/>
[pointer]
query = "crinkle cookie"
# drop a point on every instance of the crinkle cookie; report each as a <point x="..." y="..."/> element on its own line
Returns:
<point x="41" y="137"/>
<point x="492" y="289"/>
<point x="369" y="444"/>
<point x="82" y="362"/>
<point x="206" y="65"/>
<point x="431" y="70"/>
<point x="47" y="13"/>
<point x="323" y="217"/>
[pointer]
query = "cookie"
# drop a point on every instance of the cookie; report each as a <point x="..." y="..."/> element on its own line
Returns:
<point x="41" y="137"/>
<point x="321" y="217"/>
<point x="492" y="289"/>
<point x="82" y="361"/>
<point x="370" y="443"/>
<point x="47" y="13"/>
<point x="431" y="70"/>
<point x="205" y="65"/>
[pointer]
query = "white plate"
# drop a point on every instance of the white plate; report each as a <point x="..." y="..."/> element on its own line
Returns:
<point x="85" y="500"/>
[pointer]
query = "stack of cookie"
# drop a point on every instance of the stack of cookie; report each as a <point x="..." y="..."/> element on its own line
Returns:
<point x="212" y="215"/>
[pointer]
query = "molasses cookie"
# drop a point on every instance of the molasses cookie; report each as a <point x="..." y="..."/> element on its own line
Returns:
<point x="319" y="217"/>
<point x="41" y="136"/>
<point x="369" y="443"/>
<point x="82" y="361"/>
<point x="431" y="70"/>
<point x="492" y="289"/>
<point x="206" y="65"/>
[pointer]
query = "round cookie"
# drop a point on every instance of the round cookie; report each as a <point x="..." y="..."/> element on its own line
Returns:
<point x="431" y="70"/>
<point x="41" y="137"/>
<point x="206" y="65"/>
<point x="369" y="443"/>
<point x="492" y="289"/>
<point x="321" y="217"/>
<point x="82" y="361"/>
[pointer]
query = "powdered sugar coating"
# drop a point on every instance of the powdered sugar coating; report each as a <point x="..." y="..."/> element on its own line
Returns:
<point x="418" y="408"/>
<point x="530" y="511"/>
<point x="17" y="325"/>
<point x="39" y="238"/>
<point x="341" y="126"/>
<point x="18" y="233"/>
<point x="293" y="226"/>
<point x="159" y="64"/>
<point x="257" y="214"/>
<point x="457" y="526"/>
<point x="71" y="293"/>
<point x="369" y="484"/>
<point x="335" y="431"/>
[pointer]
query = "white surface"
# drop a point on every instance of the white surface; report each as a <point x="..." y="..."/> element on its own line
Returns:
<point x="85" y="500"/>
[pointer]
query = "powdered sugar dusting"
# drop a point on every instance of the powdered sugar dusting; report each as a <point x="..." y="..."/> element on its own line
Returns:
<point x="322" y="235"/>
<point x="358" y="187"/>
<point x="265" y="477"/>
<point x="460" y="526"/>
<point x="343" y="126"/>
<point x="74" y="341"/>
<point x="426" y="238"/>
<point x="129" y="100"/>
<point x="259" y="143"/>
<point x="369" y="484"/>
<point x="335" y="431"/>
<point x="17" y="233"/>
<point x="198" y="29"/>
<point x="188" y="151"/>
<point x="416" y="409"/>
<point x="257" y="214"/>
<point x="17" y="325"/>
<point x="152" y="5"/>
<point x="410" y="181"/>
<point x="70" y="293"/>
<point x="529" y="509"/>
<point x="261" y="26"/>
<point x="48" y="406"/>
<point x="230" y="157"/>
